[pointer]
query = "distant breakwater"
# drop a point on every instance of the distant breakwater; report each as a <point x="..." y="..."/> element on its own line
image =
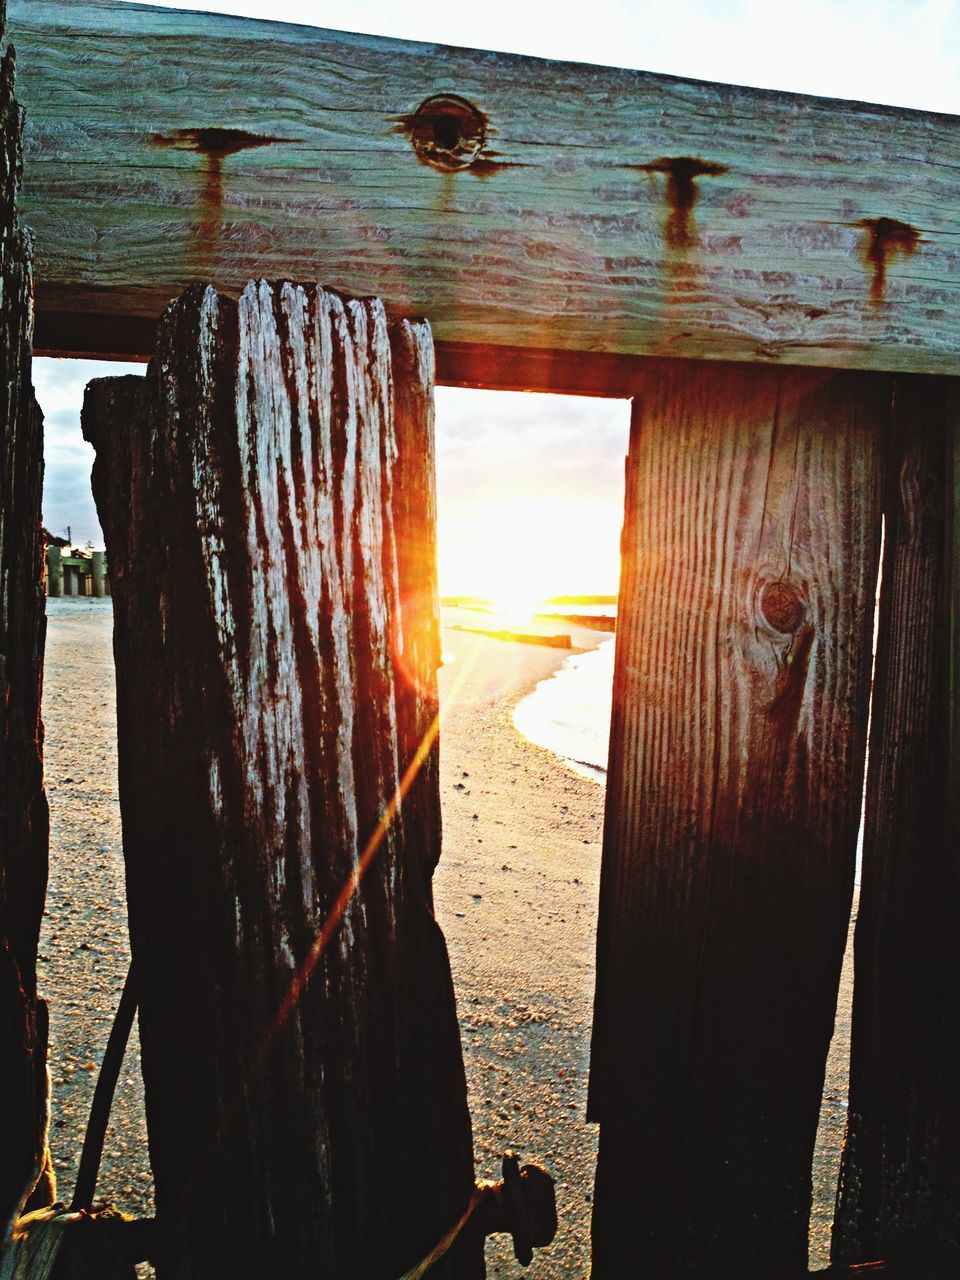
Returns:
<point x="597" y="621"/>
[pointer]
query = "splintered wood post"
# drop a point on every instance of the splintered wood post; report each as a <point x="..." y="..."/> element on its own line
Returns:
<point x="900" y="1178"/>
<point x="741" y="692"/>
<point x="267" y="498"/>
<point x="24" y="1158"/>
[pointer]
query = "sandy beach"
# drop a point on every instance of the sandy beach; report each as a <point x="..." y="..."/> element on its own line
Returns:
<point x="516" y="895"/>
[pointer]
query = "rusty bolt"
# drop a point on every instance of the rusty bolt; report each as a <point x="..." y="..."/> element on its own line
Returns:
<point x="447" y="132"/>
<point x="530" y="1193"/>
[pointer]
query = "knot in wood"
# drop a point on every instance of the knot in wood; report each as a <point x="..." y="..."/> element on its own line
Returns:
<point x="447" y="132"/>
<point x="781" y="607"/>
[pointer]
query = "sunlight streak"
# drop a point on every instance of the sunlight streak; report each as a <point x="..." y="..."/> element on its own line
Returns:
<point x="370" y="849"/>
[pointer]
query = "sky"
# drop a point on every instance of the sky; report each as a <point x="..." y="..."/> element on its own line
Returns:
<point x="530" y="487"/>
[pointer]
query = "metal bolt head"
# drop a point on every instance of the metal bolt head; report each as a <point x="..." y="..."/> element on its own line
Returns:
<point x="447" y="132"/>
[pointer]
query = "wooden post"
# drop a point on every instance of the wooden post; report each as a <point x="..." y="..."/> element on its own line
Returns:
<point x="54" y="572"/>
<point x="267" y="498"/>
<point x="900" y="1181"/>
<point x="24" y="1158"/>
<point x="98" y="574"/>
<point x="741" y="690"/>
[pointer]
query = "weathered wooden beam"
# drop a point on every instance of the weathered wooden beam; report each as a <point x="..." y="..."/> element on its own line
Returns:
<point x="741" y="688"/>
<point x="267" y="499"/>
<point x="521" y="204"/>
<point x="24" y="1088"/>
<point x="900" y="1175"/>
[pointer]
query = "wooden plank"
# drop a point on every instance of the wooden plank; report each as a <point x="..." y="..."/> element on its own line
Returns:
<point x="900" y="1177"/>
<point x="24" y="1088"/>
<point x="953" y="586"/>
<point x="565" y="208"/>
<point x="741" y="689"/>
<point x="267" y="498"/>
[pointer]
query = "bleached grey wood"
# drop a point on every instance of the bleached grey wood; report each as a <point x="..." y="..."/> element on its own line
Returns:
<point x="568" y="233"/>
<point x="264" y="493"/>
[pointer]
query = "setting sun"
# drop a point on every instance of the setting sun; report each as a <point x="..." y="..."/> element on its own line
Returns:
<point x="531" y="505"/>
<point x="520" y="550"/>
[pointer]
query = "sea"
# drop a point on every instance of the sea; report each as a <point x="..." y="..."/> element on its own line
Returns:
<point x="569" y="713"/>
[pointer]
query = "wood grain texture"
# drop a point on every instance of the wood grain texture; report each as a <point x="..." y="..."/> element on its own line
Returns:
<point x="741" y="689"/>
<point x="24" y="1088"/>
<point x="607" y="211"/>
<point x="900" y="1177"/>
<point x="267" y="497"/>
<point x="953" y="614"/>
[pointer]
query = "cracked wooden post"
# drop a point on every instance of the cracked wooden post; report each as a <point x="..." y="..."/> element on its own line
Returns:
<point x="899" y="1195"/>
<point x="24" y="1100"/>
<point x="267" y="498"/>
<point x="741" y="690"/>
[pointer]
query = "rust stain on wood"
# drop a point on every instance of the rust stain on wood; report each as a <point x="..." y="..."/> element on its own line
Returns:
<point x="450" y="134"/>
<point x="681" y="173"/>
<point x="214" y="144"/>
<point x="885" y="238"/>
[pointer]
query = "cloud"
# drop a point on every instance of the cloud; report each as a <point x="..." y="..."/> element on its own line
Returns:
<point x="67" y="500"/>
<point x="535" y="466"/>
<point x="501" y="444"/>
<point x="530" y="492"/>
<point x="873" y="50"/>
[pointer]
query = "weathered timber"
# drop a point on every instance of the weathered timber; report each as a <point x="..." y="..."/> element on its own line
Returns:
<point x="741" y="689"/>
<point x="522" y="204"/>
<point x="953" y="614"/>
<point x="267" y="498"/>
<point x="24" y="1159"/>
<point x="900" y="1176"/>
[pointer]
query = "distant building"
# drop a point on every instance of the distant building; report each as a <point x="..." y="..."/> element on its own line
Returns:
<point x="76" y="573"/>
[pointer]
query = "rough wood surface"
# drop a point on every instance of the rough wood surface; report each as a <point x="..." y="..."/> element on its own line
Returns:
<point x="900" y="1176"/>
<point x="741" y="689"/>
<point x="953" y="613"/>
<point x="536" y="206"/>
<point x="23" y="805"/>
<point x="267" y="497"/>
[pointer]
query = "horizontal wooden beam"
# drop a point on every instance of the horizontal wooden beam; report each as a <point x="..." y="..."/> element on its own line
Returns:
<point x="525" y="206"/>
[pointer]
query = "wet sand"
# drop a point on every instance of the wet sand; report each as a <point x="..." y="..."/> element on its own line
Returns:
<point x="516" y="895"/>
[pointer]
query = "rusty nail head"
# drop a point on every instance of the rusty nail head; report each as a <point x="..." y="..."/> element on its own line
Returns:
<point x="448" y="132"/>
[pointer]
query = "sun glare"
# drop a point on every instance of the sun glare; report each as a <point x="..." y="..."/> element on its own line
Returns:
<point x="518" y="553"/>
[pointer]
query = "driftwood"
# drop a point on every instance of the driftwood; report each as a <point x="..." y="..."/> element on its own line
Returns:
<point x="741" y="688"/>
<point x="267" y="498"/>
<point x="527" y="207"/>
<point x="23" y="807"/>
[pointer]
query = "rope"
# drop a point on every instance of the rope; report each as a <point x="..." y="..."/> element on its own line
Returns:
<point x="37" y="1236"/>
<point x="32" y="1250"/>
<point x="443" y="1245"/>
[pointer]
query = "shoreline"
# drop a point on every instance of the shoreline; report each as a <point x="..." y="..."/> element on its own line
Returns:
<point x="516" y="895"/>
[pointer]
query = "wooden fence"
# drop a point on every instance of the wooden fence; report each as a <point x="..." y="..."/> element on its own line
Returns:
<point x="776" y="281"/>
